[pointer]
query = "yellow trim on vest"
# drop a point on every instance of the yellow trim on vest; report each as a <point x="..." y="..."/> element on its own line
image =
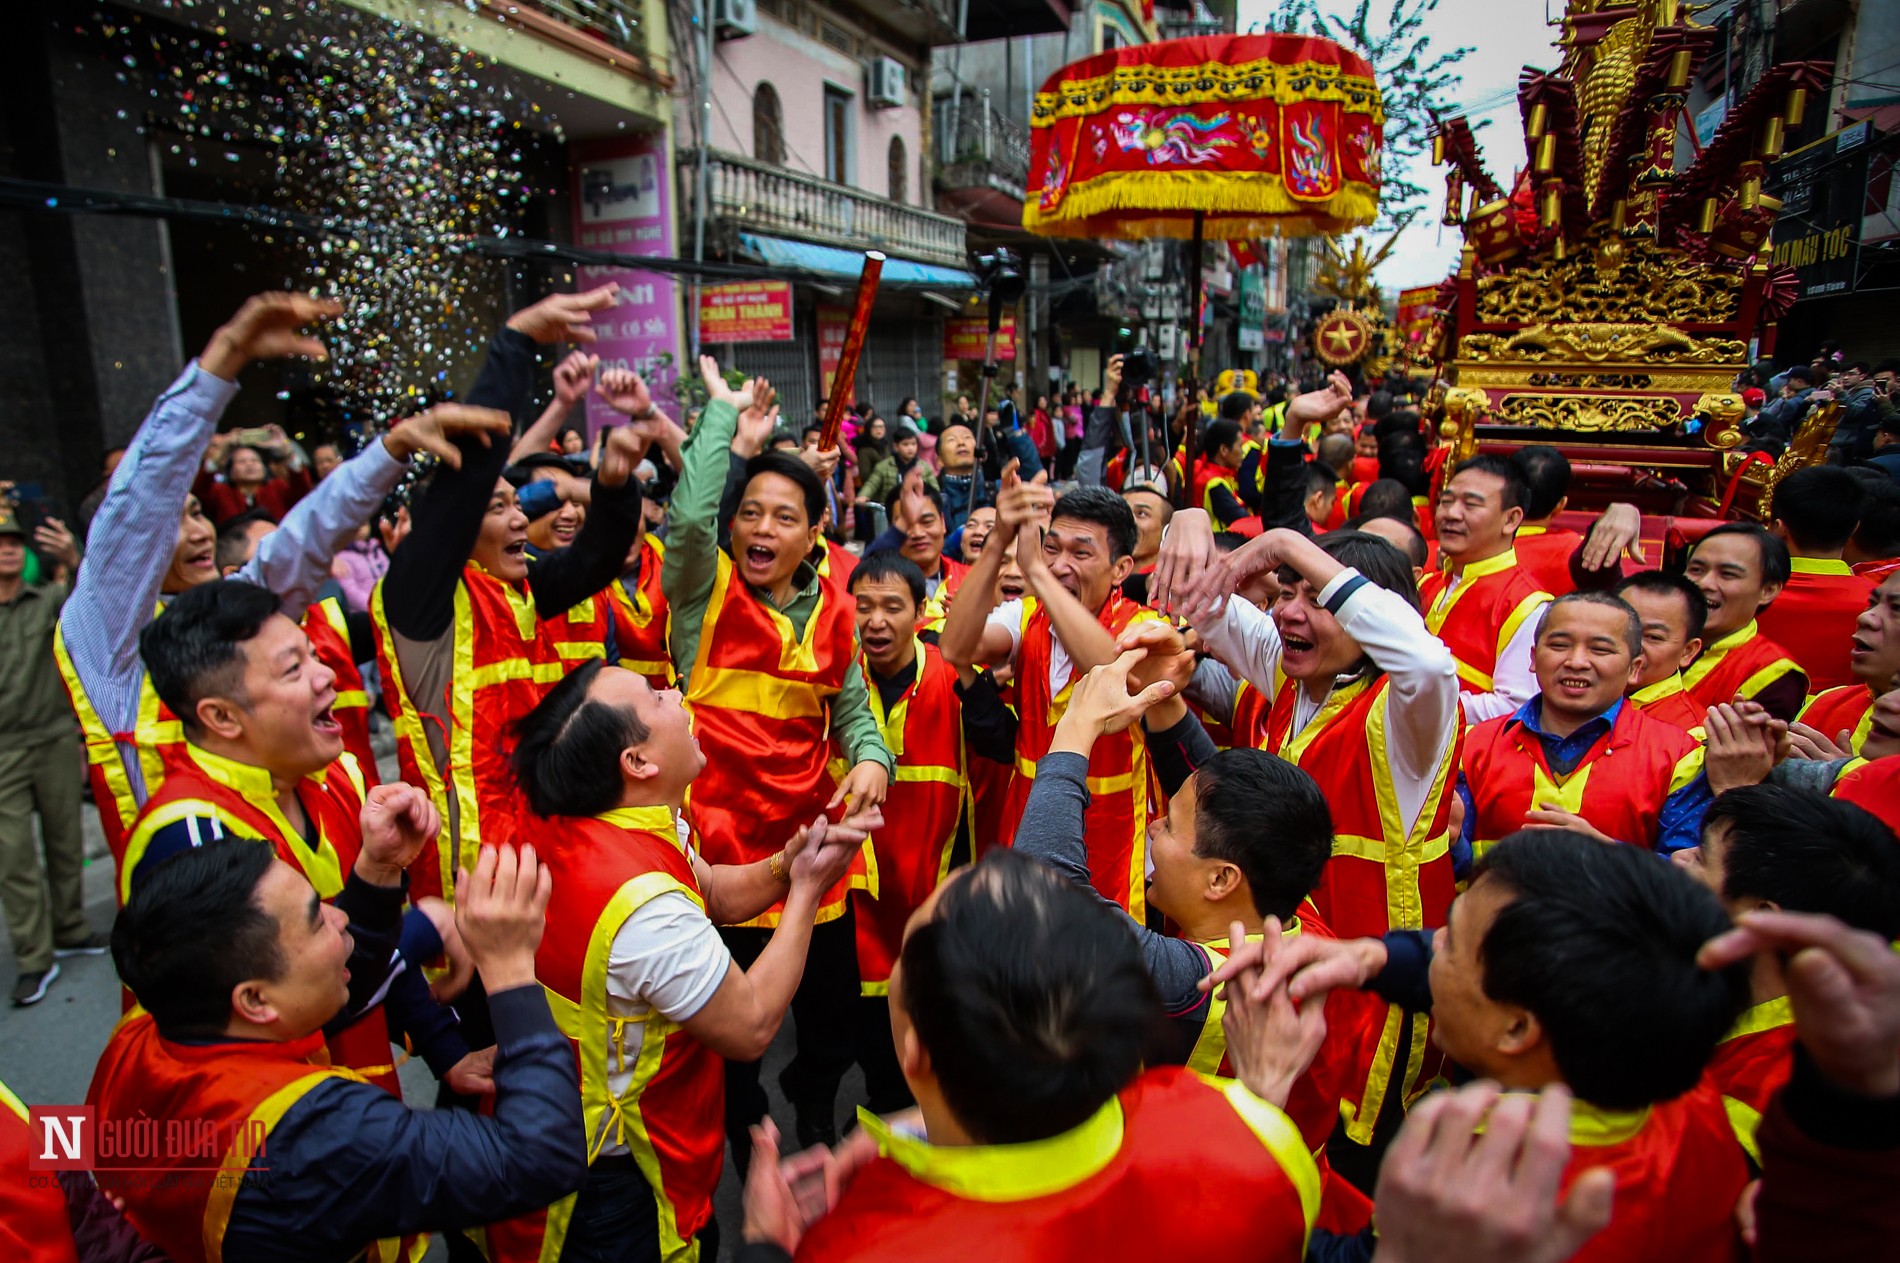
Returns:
<point x="102" y="751"/>
<point x="1006" y="1173"/>
<point x="225" y="1185"/>
<point x="1666" y="687"/>
<point x="653" y="818"/>
<point x="1687" y="768"/>
<point x="567" y="649"/>
<point x="1712" y="657"/>
<point x="12" y="1102"/>
<point x="1819" y="565"/>
<point x="1861" y="729"/>
<point x="1210" y="1046"/>
<point x="1519" y="616"/>
<point x="407" y="720"/>
<point x="1283" y="1140"/>
<point x="1097" y="784"/>
<point x="758" y="693"/>
<point x="461" y="744"/>
<point x="1594" y="1126"/>
<point x="1744" y="1120"/>
<point x="1462" y="583"/>
<point x="1767" y="1016"/>
<point x="1336" y="701"/>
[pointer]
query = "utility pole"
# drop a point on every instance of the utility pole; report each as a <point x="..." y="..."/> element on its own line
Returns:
<point x="700" y="183"/>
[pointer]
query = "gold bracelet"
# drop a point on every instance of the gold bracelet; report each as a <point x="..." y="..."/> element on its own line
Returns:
<point x="777" y="865"/>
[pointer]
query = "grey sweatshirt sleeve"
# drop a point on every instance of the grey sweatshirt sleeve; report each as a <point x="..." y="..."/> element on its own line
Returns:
<point x="1052" y="831"/>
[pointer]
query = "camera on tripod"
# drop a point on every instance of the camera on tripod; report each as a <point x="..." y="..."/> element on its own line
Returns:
<point x="1000" y="275"/>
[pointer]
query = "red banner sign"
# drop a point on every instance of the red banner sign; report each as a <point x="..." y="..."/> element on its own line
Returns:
<point x="964" y="339"/>
<point x="1415" y="311"/>
<point x="746" y="311"/>
<point x="832" y="324"/>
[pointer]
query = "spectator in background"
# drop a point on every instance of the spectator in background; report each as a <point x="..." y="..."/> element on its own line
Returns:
<point x="40" y="765"/>
<point x="323" y="458"/>
<point x="252" y="469"/>
<point x="1775" y="425"/>
<point x="360" y="564"/>
<point x="573" y="443"/>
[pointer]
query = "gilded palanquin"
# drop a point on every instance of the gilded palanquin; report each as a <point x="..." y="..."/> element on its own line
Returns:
<point x="1606" y="302"/>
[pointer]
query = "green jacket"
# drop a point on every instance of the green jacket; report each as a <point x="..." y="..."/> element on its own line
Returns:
<point x="692" y="565"/>
<point x="885" y="480"/>
<point x="32" y="699"/>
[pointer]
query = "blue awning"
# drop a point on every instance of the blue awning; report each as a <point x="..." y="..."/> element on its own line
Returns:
<point x="846" y="264"/>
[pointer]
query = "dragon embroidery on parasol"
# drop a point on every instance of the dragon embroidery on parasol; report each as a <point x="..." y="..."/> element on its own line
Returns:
<point x="1169" y="137"/>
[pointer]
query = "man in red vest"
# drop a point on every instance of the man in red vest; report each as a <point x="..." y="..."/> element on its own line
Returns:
<point x="1215" y="472"/>
<point x="1579" y="756"/>
<point x="1816" y="511"/>
<point x="238" y="965"/>
<point x="1741" y="568"/>
<point x="1567" y="961"/>
<point x="1064" y="628"/>
<point x="1874" y="550"/>
<point x="1482" y="604"/>
<point x="1018" y="1010"/>
<point x="938" y="723"/>
<point x="1544" y="550"/>
<point x="1836" y="721"/>
<point x="767" y="659"/>
<point x="1672" y="611"/>
<point x="639" y="979"/>
<point x="1789" y="850"/>
<point x="263" y="758"/>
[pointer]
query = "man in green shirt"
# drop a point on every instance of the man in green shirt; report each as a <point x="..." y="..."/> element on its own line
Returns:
<point x="40" y="764"/>
<point x="769" y="720"/>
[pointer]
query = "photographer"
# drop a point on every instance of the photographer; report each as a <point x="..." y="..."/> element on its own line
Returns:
<point x="1105" y="427"/>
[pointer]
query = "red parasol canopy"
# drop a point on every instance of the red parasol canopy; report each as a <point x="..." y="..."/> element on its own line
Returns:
<point x="1263" y="135"/>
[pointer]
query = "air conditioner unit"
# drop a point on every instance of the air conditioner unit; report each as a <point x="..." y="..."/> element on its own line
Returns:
<point x="735" y="18"/>
<point x="887" y="82"/>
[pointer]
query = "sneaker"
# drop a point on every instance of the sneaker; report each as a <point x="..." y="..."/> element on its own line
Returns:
<point x="31" y="988"/>
<point x="97" y="943"/>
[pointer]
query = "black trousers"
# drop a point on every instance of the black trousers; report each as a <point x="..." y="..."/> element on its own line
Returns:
<point x="617" y="1220"/>
<point x="824" y="1015"/>
<point x="884" y="1087"/>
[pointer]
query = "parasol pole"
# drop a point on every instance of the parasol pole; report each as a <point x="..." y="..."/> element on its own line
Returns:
<point x="853" y="348"/>
<point x="1195" y="281"/>
<point x="990" y="367"/>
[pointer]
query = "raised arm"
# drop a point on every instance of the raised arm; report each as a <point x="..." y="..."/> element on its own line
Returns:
<point x="969" y="639"/>
<point x="598" y="554"/>
<point x="692" y="533"/>
<point x="572" y="377"/>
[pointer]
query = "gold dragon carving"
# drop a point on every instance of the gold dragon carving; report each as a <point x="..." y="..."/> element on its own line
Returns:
<point x="1600" y="343"/>
<point x="1589" y="414"/>
<point x="1641" y="283"/>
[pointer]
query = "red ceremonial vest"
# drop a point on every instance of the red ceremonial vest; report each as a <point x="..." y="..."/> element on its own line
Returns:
<point x="928" y="799"/>
<point x="506" y="660"/>
<point x="642" y="619"/>
<point x="1750" y="1065"/>
<point x="670" y="1115"/>
<point x="1619" y="786"/>
<point x="989" y="803"/>
<point x="33" y="1223"/>
<point x="1117" y="820"/>
<point x="235" y="1092"/>
<point x="1846" y="708"/>
<point x="760" y="698"/>
<point x="1815" y="615"/>
<point x="1744" y="662"/>
<point x="1477" y="619"/>
<point x="836" y="565"/>
<point x="580" y="634"/>
<point x="330" y="643"/>
<point x="1207" y="476"/>
<point x="242" y="798"/>
<point x="1878" y="569"/>
<point x="1874" y="787"/>
<point x="1380" y="877"/>
<point x="936" y="607"/>
<point x="1545" y="556"/>
<point x="1671" y="703"/>
<point x="108" y="752"/>
<point x="1678" y="1175"/>
<point x="1094" y="1193"/>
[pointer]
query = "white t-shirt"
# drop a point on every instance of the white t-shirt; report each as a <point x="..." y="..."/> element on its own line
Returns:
<point x="1009" y="615"/>
<point x="666" y="958"/>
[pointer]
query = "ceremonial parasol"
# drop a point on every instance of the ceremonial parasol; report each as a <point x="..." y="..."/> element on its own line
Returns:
<point x="1234" y="137"/>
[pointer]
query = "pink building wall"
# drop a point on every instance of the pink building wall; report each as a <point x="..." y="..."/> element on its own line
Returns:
<point x="799" y="67"/>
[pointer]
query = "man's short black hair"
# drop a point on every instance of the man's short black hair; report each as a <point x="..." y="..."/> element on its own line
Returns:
<point x="1416" y="550"/>
<point x="1820" y="507"/>
<point x="1632" y="622"/>
<point x="884" y="565"/>
<point x="1402" y="459"/>
<point x="1319" y="477"/>
<point x="567" y="749"/>
<point x="1387" y="497"/>
<point x="1218" y="434"/>
<point x="1662" y="583"/>
<point x="788" y="465"/>
<point x="1371" y="556"/>
<point x="522" y="472"/>
<point x="1268" y="818"/>
<point x="1335" y="452"/>
<point x="192" y="931"/>
<point x="234" y="537"/>
<point x="1878" y="534"/>
<point x="1379" y="405"/>
<point x="194" y="649"/>
<point x="1234" y="406"/>
<point x="1031" y="997"/>
<point x="1546" y="479"/>
<point x="1775" y="565"/>
<point x="1104" y="508"/>
<point x="1801" y="373"/>
<point x="1599" y="943"/>
<point x="1808" y="852"/>
<point x="1865" y="367"/>
<point x="1503" y="468"/>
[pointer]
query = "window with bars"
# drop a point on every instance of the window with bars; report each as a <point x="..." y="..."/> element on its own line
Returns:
<point x="837" y="37"/>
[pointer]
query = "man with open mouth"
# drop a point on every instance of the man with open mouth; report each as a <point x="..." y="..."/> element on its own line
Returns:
<point x="1740" y="568"/>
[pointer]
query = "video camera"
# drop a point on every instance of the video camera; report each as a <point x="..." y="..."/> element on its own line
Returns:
<point x="1000" y="275"/>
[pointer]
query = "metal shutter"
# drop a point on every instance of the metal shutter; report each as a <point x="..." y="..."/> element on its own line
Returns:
<point x="903" y="358"/>
<point x="789" y="366"/>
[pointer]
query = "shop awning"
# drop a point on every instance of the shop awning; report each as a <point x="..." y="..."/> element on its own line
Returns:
<point x="846" y="264"/>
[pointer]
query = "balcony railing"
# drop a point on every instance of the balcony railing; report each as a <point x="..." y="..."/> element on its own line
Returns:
<point x="754" y="197"/>
<point x="978" y="143"/>
<point x="615" y="21"/>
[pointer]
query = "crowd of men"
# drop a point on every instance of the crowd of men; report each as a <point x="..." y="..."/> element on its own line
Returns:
<point x="1372" y="859"/>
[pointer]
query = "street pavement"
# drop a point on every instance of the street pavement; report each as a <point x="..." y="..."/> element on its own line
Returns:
<point x="47" y="1052"/>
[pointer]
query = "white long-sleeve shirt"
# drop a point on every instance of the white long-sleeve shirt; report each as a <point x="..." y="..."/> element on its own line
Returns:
<point x="1422" y="711"/>
<point x="129" y="547"/>
<point x="1513" y="682"/>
